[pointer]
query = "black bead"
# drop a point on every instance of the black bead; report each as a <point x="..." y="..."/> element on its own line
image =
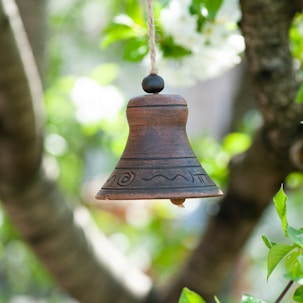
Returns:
<point x="153" y="84"/>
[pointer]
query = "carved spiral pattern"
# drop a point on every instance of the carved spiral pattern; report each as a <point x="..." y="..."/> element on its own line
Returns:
<point x="126" y="179"/>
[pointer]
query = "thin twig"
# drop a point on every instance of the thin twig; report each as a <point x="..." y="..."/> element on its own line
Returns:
<point x="283" y="293"/>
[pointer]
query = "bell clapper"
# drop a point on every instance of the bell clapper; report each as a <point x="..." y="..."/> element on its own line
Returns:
<point x="179" y="202"/>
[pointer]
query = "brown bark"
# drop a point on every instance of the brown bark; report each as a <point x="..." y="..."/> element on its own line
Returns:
<point x="20" y="102"/>
<point x="33" y="15"/>
<point x="256" y="175"/>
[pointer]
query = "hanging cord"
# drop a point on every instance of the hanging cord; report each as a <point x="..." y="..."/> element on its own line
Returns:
<point x="151" y="36"/>
<point x="153" y="83"/>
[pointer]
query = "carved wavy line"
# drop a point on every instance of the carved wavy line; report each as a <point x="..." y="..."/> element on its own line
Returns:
<point x="169" y="179"/>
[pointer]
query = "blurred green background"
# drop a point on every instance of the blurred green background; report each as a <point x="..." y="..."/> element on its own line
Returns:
<point x="90" y="63"/>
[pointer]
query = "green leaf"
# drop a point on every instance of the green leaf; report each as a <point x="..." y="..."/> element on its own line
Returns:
<point x="299" y="96"/>
<point x="117" y="32"/>
<point x="199" y="9"/>
<point x="123" y="27"/>
<point x="268" y="242"/>
<point x="189" y="296"/>
<point x="217" y="300"/>
<point x="294" y="266"/>
<point x="135" y="50"/>
<point x="298" y="294"/>
<point x="275" y="255"/>
<point x="251" y="299"/>
<point x="280" y="203"/>
<point x="213" y="7"/>
<point x="295" y="180"/>
<point x="134" y="10"/>
<point x="235" y="143"/>
<point x="205" y="10"/>
<point x="296" y="235"/>
<point x="171" y="49"/>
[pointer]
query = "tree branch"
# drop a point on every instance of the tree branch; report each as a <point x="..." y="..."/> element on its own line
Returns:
<point x="265" y="25"/>
<point x="33" y="14"/>
<point x="81" y="259"/>
<point x="21" y="113"/>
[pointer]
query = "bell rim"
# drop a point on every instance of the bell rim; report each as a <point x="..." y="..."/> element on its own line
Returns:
<point x="212" y="192"/>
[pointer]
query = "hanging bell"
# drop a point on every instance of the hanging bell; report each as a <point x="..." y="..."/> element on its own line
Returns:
<point x="158" y="161"/>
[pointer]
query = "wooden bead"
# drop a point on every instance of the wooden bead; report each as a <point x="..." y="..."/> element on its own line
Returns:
<point x="153" y="84"/>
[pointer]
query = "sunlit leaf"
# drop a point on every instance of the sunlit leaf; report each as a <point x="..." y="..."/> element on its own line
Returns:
<point x="189" y="296"/>
<point x="217" y="300"/>
<point x="280" y="200"/>
<point x="117" y="32"/>
<point x="294" y="180"/>
<point x="268" y="242"/>
<point x="275" y="255"/>
<point x="236" y="142"/>
<point x="135" y="50"/>
<point x="134" y="10"/>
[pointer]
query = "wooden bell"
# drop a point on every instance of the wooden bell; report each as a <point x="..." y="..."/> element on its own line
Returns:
<point x="158" y="161"/>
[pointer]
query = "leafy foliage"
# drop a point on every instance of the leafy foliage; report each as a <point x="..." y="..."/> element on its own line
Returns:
<point x="189" y="296"/>
<point x="72" y="51"/>
<point x="276" y="253"/>
<point x="298" y="295"/>
<point x="291" y="253"/>
<point x="129" y="27"/>
<point x="171" y="49"/>
<point x="204" y="10"/>
<point x="280" y="200"/>
<point x="296" y="43"/>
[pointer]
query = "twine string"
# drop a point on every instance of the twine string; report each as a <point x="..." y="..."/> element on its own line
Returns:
<point x="151" y="36"/>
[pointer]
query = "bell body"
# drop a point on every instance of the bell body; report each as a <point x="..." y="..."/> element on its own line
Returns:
<point x="158" y="161"/>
